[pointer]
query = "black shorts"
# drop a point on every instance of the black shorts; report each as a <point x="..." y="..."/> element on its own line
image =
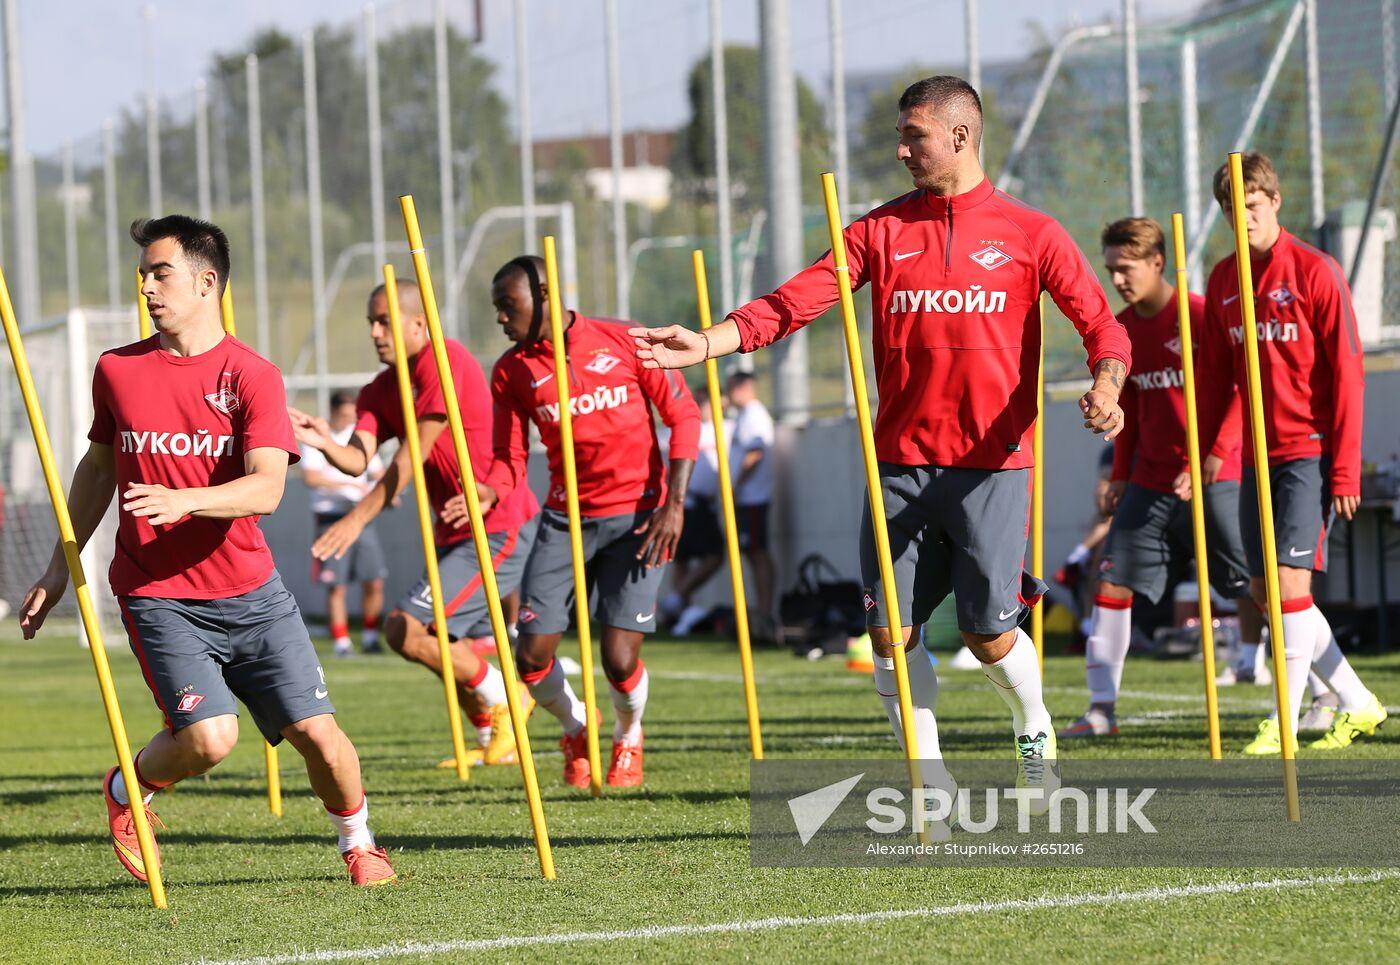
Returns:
<point x="362" y="562"/>
<point x="1151" y="542"/>
<point x="700" y="537"/>
<point x="1302" y="496"/>
<point x="752" y="524"/>
<point x="198" y="655"/>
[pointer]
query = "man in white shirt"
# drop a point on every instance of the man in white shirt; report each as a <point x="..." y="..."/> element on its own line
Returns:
<point x="333" y="494"/>
<point x="751" y="466"/>
<point x="700" y="552"/>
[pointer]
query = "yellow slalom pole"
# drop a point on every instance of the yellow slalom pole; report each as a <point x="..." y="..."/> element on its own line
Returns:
<point x="1198" y="492"/>
<point x="872" y="477"/>
<point x="566" y="443"/>
<point x="731" y="528"/>
<point x="425" y="525"/>
<point x="479" y="539"/>
<point x="1263" y="486"/>
<point x="143" y="313"/>
<point x="1038" y="496"/>
<point x="270" y="760"/>
<point x="82" y="591"/>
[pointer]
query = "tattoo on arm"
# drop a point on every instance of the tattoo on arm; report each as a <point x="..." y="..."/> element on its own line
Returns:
<point x="1113" y="370"/>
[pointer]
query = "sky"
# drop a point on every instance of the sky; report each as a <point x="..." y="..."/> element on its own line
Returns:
<point x="83" y="60"/>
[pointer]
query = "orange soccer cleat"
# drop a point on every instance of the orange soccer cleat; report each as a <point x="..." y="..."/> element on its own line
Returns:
<point x="124" y="840"/>
<point x="626" y="768"/>
<point x="369" y="867"/>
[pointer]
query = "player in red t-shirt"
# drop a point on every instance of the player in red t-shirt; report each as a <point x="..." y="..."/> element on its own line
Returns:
<point x="956" y="270"/>
<point x="631" y="504"/>
<point x="1313" y="383"/>
<point x="192" y="425"/>
<point x="510" y="526"/>
<point x="1150" y="543"/>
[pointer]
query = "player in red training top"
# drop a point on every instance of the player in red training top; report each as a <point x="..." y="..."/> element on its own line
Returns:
<point x="510" y="526"/>
<point x="632" y="505"/>
<point x="956" y="269"/>
<point x="1150" y="541"/>
<point x="1313" y="384"/>
<point x="196" y="462"/>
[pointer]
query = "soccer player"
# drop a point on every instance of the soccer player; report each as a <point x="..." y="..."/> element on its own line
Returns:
<point x="333" y="494"/>
<point x="956" y="269"/>
<point x="1313" y="386"/>
<point x="510" y="526"/>
<point x="190" y="426"/>
<point x="1150" y="542"/>
<point x="631" y="503"/>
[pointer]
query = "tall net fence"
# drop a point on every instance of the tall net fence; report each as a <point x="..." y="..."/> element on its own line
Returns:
<point x="424" y="97"/>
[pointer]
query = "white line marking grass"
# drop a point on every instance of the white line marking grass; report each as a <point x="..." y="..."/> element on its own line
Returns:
<point x="773" y="924"/>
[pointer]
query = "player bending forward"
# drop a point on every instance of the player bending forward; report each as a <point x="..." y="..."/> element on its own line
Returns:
<point x="510" y="526"/>
<point x="632" y="505"/>
<point x="956" y="269"/>
<point x="1313" y="385"/>
<point x="1150" y="540"/>
<point x="190" y="425"/>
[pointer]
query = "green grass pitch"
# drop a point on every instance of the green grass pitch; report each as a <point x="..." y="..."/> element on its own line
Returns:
<point x="243" y="884"/>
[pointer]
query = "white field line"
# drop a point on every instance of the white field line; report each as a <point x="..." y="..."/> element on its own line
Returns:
<point x="773" y="924"/>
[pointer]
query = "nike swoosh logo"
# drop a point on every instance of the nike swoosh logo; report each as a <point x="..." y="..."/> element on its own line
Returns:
<point x="1008" y="614"/>
<point x="321" y="694"/>
<point x="901" y="255"/>
<point x="1232" y="298"/>
<point x="644" y="617"/>
<point x="541" y="381"/>
<point x="1297" y="552"/>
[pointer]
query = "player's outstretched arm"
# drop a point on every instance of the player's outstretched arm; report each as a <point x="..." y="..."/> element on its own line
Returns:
<point x="676" y="347"/>
<point x="353" y="458"/>
<point x="94" y="482"/>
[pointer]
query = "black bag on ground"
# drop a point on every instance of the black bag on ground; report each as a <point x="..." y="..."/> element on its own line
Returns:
<point x="823" y="605"/>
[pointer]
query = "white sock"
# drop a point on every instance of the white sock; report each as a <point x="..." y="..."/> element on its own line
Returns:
<point x="341" y="642"/>
<point x="923" y="695"/>
<point x="369" y="636"/>
<point x="353" y="828"/>
<point x="551" y="691"/>
<point x="1107" y="648"/>
<point x="1332" y="666"/>
<point x="1017" y="679"/>
<point x="1247" y="660"/>
<point x="119" y="790"/>
<point x="491" y="685"/>
<point x="1317" y="687"/>
<point x="1299" y="645"/>
<point x="629" y="700"/>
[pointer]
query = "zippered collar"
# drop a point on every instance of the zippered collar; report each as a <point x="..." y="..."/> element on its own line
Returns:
<point x="940" y="204"/>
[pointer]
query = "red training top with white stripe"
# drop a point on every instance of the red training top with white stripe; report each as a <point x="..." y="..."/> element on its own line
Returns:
<point x="611" y="395"/>
<point x="185" y="422"/>
<point x="379" y="411"/>
<point x="955" y="284"/>
<point x="1151" y="449"/>
<point x="1310" y="359"/>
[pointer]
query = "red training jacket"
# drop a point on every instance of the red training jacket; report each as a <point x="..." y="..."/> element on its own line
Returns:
<point x="955" y="285"/>
<point x="1310" y="359"/>
<point x="1151" y="449"/>
<point x="616" y="451"/>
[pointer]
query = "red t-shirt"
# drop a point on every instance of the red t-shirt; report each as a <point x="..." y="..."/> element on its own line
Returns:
<point x="955" y="284"/>
<point x="380" y="412"/>
<point x="186" y="423"/>
<point x="616" y="450"/>
<point x="1310" y="359"/>
<point x="1151" y="449"/>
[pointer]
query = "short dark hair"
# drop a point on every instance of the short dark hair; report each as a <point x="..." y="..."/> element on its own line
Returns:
<point x="531" y="266"/>
<point x="950" y="96"/>
<point x="342" y="397"/>
<point x="1140" y="238"/>
<point x="204" y="244"/>
<point x="739" y="377"/>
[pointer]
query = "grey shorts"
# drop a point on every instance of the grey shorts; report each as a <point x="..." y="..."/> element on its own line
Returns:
<point x="625" y="588"/>
<point x="953" y="530"/>
<point x="198" y="655"/>
<point x="362" y="562"/>
<point x="1302" y="492"/>
<point x="465" y="606"/>
<point x="1151" y="543"/>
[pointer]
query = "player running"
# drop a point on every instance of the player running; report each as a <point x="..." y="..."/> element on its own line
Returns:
<point x="1150" y="541"/>
<point x="510" y="526"/>
<point x="631" y="504"/>
<point x="956" y="269"/>
<point x="197" y="463"/>
<point x="1313" y="385"/>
